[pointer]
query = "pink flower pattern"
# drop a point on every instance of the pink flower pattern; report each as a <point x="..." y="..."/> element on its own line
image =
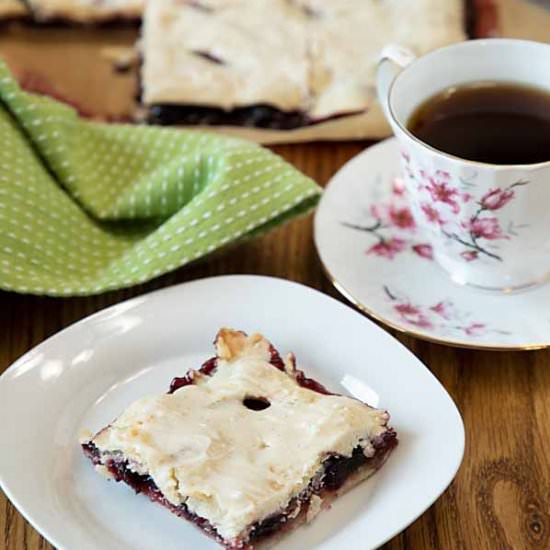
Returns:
<point x="441" y="191"/>
<point x="432" y="215"/>
<point x="443" y="200"/>
<point x="401" y="217"/>
<point x="486" y="228"/>
<point x="481" y="227"/>
<point x="398" y="187"/>
<point x="443" y="309"/>
<point x="393" y="226"/>
<point x="496" y="199"/>
<point x="388" y="248"/>
<point x="442" y="316"/>
<point x="474" y="329"/>
<point x="413" y="315"/>
<point x="470" y="255"/>
<point x="423" y="250"/>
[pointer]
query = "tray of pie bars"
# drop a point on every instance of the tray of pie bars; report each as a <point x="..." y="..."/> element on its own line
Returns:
<point x="270" y="70"/>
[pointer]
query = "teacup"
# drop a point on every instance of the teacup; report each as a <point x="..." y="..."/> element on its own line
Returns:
<point x="489" y="225"/>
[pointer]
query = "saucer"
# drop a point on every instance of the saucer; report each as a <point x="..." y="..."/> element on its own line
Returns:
<point x="378" y="258"/>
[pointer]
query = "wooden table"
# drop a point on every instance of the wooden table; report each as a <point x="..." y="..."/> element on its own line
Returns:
<point x="501" y="496"/>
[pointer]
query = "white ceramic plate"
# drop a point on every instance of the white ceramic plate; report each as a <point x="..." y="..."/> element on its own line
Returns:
<point x="85" y="375"/>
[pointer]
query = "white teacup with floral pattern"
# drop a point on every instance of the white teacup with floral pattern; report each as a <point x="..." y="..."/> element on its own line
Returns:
<point x="489" y="225"/>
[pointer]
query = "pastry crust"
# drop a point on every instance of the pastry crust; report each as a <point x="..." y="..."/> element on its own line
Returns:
<point x="316" y="506"/>
<point x="232" y="344"/>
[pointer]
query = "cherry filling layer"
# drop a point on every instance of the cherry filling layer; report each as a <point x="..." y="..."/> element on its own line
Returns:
<point x="121" y="471"/>
<point x="336" y="470"/>
<point x="256" y="116"/>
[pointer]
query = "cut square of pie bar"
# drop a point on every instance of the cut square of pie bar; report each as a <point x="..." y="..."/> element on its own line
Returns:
<point x="279" y="64"/>
<point x="246" y="447"/>
<point x="86" y="11"/>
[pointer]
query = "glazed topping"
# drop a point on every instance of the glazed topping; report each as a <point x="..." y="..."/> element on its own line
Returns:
<point x="239" y="444"/>
<point x="308" y="56"/>
<point x="224" y="53"/>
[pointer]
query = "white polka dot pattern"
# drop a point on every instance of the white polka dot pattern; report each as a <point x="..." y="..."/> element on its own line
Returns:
<point x="88" y="207"/>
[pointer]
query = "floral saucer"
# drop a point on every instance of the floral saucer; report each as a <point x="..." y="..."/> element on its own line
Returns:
<point x="377" y="257"/>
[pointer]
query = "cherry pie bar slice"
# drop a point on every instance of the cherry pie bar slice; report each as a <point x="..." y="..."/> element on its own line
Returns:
<point x="280" y="64"/>
<point x="86" y="11"/>
<point x="247" y="447"/>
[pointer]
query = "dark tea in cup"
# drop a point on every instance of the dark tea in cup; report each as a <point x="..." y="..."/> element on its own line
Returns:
<point x="492" y="122"/>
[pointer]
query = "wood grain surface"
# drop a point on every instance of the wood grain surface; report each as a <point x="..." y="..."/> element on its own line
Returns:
<point x="501" y="496"/>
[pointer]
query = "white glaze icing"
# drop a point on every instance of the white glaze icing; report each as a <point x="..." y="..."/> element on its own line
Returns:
<point x="347" y="36"/>
<point x="308" y="55"/>
<point x="227" y="463"/>
<point x="87" y="10"/>
<point x="262" y="63"/>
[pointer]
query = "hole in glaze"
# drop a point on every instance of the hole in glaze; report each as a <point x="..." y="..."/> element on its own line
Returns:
<point x="256" y="403"/>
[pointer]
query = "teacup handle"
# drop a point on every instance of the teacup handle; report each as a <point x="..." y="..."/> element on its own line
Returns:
<point x="393" y="60"/>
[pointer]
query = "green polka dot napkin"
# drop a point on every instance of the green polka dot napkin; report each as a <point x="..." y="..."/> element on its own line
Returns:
<point x="88" y="207"/>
